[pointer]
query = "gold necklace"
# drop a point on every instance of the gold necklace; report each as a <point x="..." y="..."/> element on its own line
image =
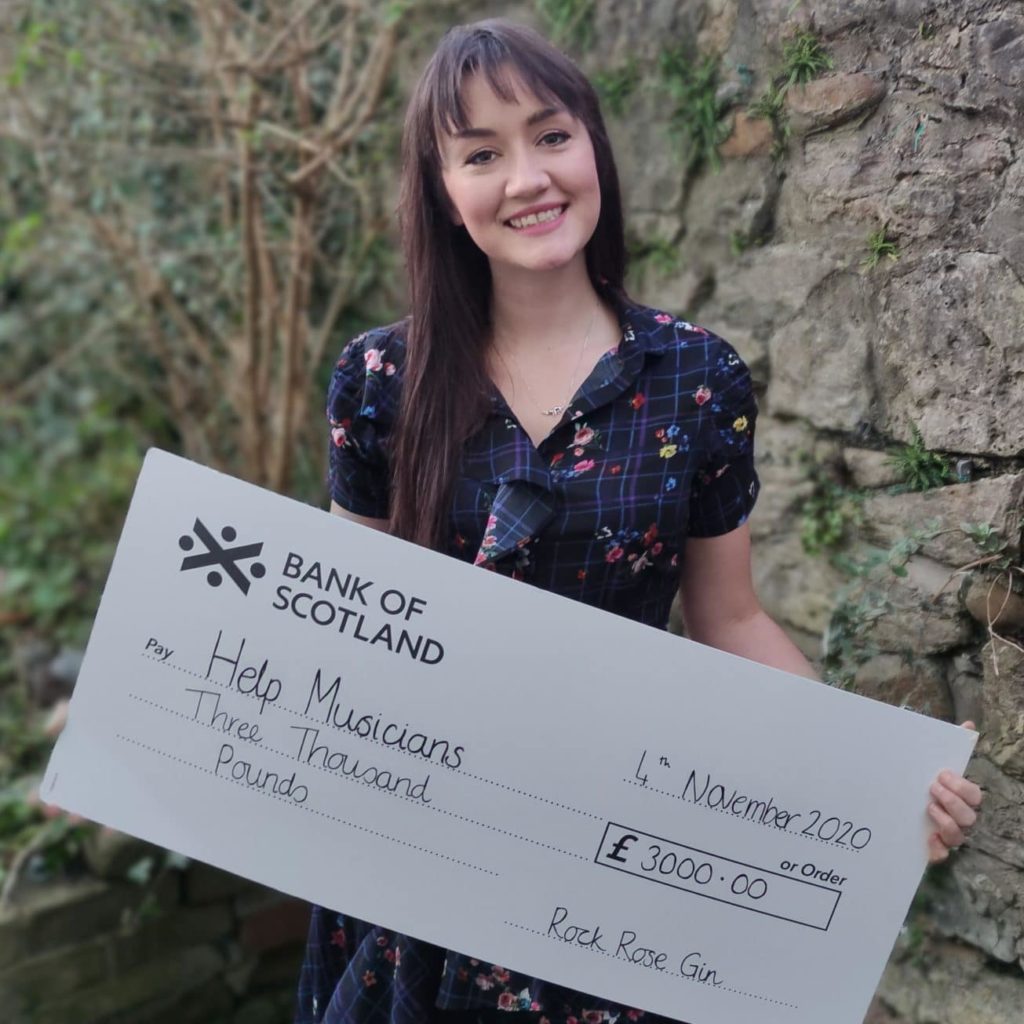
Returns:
<point x="555" y="410"/>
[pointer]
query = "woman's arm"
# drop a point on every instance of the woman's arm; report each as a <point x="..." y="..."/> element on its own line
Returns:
<point x="721" y="609"/>
<point x="374" y="524"/>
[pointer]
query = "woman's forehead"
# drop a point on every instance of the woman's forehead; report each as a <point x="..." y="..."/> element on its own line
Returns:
<point x="482" y="91"/>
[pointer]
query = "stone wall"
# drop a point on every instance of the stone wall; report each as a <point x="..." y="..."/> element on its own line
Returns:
<point x="193" y="945"/>
<point x="915" y="130"/>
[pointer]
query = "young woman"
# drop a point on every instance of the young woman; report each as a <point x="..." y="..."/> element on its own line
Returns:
<point x="533" y="419"/>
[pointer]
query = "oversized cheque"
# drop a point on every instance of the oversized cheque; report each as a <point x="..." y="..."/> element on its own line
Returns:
<point x="501" y="771"/>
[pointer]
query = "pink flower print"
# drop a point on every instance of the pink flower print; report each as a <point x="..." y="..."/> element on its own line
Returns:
<point x="584" y="465"/>
<point x="480" y="558"/>
<point x="584" y="435"/>
<point x="577" y="452"/>
<point x="338" y="939"/>
<point x="389" y="955"/>
<point x="674" y="561"/>
<point x="557" y="458"/>
<point x="382" y="940"/>
<point x="489" y="541"/>
<point x="656" y="549"/>
<point x="637" y="401"/>
<point x="581" y="574"/>
<point x="615" y="470"/>
<point x="507" y="1001"/>
<point x="339" y="435"/>
<point x="500" y="974"/>
<point x="389" y="369"/>
<point x="369" y="978"/>
<point x="702" y="394"/>
<point x="663" y="318"/>
<point x="660" y="434"/>
<point x="373" y="360"/>
<point x="492" y="522"/>
<point x="614" y="554"/>
<point x="485" y="982"/>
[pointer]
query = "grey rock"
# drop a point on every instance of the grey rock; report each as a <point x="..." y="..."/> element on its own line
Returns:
<point x="870" y="469"/>
<point x="918" y="684"/>
<point x="1002" y="697"/>
<point x="795" y="588"/>
<point x="985" y="905"/>
<point x="832" y="100"/>
<point x="965" y="685"/>
<point x="993" y="604"/>
<point x="1003" y="229"/>
<point x="946" y="982"/>
<point x="952" y="330"/>
<point x="997" y="500"/>
<point x="820" y="361"/>
<point x="918" y="622"/>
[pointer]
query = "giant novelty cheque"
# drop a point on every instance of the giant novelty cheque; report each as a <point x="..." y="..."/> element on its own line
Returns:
<point x="274" y="690"/>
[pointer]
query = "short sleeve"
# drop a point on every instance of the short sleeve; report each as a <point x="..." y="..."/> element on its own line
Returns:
<point x="361" y="404"/>
<point x="725" y="486"/>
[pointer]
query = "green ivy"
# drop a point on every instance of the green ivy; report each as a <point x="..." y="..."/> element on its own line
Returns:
<point x="696" y="116"/>
<point x="919" y="468"/>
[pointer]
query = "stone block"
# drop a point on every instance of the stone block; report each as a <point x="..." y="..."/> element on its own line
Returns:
<point x="832" y="100"/>
<point x="62" y="913"/>
<point x="795" y="588"/>
<point x="870" y="469"/>
<point x="820" y="361"/>
<point x="37" y="980"/>
<point x="1002" y="698"/>
<point x="999" y="832"/>
<point x="750" y="136"/>
<point x="110" y="854"/>
<point x="997" y="500"/>
<point x="279" y="922"/>
<point x="919" y="685"/>
<point x="138" y="995"/>
<point x="918" y="623"/>
<point x="965" y="684"/>
<point x="949" y="352"/>
<point x="1003" y="230"/>
<point x="993" y="604"/>
<point x="946" y="982"/>
<point x="206" y="884"/>
<point x="984" y="905"/>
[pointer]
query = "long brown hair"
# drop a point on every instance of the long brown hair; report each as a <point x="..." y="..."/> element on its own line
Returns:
<point x="445" y="394"/>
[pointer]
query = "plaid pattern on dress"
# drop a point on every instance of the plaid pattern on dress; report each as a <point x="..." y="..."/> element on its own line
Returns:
<point x="656" y="446"/>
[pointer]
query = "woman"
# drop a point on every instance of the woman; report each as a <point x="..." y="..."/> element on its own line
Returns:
<point x="530" y="417"/>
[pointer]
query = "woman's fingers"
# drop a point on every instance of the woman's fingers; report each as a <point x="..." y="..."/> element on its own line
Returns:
<point x="949" y="831"/>
<point x="938" y="851"/>
<point x="957" y="806"/>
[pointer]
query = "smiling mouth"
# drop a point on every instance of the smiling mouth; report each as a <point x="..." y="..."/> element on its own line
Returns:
<point x="533" y="219"/>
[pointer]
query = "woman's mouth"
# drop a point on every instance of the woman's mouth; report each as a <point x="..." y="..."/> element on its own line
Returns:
<point x="534" y="223"/>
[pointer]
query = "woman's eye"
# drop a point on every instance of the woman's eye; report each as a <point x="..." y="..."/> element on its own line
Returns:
<point x="553" y="138"/>
<point x="476" y="160"/>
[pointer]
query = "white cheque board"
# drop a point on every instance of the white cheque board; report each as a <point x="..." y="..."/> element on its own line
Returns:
<point x="464" y="758"/>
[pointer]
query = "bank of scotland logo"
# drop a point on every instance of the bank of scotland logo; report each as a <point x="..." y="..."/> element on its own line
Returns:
<point x="226" y="558"/>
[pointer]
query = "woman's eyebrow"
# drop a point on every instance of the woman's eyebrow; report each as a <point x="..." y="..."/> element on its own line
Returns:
<point x="485" y="133"/>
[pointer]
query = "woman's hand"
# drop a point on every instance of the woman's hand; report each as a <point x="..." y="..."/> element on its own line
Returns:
<point x="953" y="809"/>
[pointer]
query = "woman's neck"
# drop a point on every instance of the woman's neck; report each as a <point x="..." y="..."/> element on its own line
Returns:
<point x="541" y="309"/>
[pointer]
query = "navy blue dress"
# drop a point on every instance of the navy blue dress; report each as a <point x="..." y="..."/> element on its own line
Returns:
<point x="656" y="446"/>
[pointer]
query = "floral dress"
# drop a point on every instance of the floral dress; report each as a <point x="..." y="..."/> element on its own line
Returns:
<point x="656" y="446"/>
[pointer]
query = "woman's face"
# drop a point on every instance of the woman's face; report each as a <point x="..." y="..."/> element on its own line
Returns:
<point x="522" y="179"/>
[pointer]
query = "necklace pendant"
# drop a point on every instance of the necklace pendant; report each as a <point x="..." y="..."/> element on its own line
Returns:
<point x="553" y="411"/>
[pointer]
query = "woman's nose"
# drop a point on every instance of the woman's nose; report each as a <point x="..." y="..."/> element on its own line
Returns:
<point x="527" y="176"/>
